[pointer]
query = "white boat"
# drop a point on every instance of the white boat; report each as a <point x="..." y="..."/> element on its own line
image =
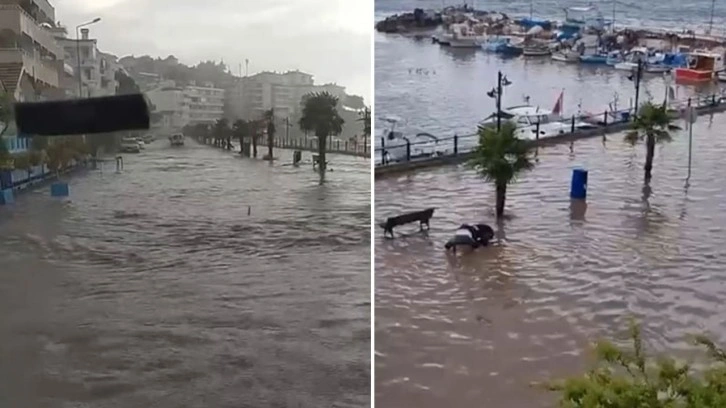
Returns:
<point x="463" y="37"/>
<point x="721" y="75"/>
<point x="529" y="118"/>
<point x="397" y="147"/>
<point x="177" y="139"/>
<point x="630" y="63"/>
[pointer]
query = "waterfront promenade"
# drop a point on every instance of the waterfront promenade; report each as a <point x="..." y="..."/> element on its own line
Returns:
<point x="457" y="149"/>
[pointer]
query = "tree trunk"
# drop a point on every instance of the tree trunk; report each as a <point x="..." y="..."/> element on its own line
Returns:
<point x="501" y="197"/>
<point x="254" y="146"/>
<point x="321" y="154"/>
<point x="270" y="141"/>
<point x="649" y="153"/>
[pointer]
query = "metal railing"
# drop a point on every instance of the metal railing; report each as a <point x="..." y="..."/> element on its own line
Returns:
<point x="596" y="124"/>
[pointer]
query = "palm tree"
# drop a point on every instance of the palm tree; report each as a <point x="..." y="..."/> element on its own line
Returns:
<point x="366" y="119"/>
<point x="241" y="131"/>
<point x="320" y="115"/>
<point x="653" y="124"/>
<point x="269" y="117"/>
<point x="500" y="158"/>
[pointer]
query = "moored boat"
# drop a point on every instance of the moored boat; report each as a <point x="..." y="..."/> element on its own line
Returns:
<point x="536" y="51"/>
<point x="593" y="59"/>
<point x="702" y="66"/>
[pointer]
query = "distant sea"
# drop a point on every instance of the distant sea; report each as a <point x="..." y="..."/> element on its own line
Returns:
<point x="666" y="13"/>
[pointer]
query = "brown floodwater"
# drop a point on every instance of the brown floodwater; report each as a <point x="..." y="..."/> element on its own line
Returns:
<point x="194" y="278"/>
<point x="475" y="329"/>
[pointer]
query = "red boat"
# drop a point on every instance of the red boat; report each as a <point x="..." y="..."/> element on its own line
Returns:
<point x="702" y="66"/>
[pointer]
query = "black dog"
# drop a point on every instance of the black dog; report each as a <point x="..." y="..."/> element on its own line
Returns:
<point x="471" y="235"/>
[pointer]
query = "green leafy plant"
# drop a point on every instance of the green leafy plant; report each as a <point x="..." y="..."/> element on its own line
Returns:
<point x="628" y="378"/>
<point x="500" y="157"/>
<point x="653" y="125"/>
<point x="320" y="115"/>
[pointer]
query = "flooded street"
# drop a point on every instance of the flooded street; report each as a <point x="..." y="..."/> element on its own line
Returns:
<point x="156" y="288"/>
<point x="475" y="329"/>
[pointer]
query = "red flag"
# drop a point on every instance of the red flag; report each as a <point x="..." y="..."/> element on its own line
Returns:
<point x="557" y="110"/>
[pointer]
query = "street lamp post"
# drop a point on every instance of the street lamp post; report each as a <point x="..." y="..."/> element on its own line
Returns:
<point x="636" y="77"/>
<point x="496" y="93"/>
<point x="78" y="53"/>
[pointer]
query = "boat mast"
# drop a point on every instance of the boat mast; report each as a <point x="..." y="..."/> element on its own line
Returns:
<point x="710" y="23"/>
<point x="531" y="8"/>
<point x="612" y="23"/>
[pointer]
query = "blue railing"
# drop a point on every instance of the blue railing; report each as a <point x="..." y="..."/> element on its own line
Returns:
<point x="585" y="124"/>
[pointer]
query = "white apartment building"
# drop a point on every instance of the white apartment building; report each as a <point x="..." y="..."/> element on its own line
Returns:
<point x="189" y="105"/>
<point x="252" y="96"/>
<point x="97" y="69"/>
<point x="31" y="61"/>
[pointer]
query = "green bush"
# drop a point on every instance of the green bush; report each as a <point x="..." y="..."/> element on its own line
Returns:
<point x="627" y="378"/>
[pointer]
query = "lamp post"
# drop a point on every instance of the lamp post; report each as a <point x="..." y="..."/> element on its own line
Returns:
<point x="636" y="77"/>
<point x="78" y="53"/>
<point x="496" y="93"/>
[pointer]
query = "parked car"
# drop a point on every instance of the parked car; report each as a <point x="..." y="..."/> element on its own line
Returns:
<point x="130" y="146"/>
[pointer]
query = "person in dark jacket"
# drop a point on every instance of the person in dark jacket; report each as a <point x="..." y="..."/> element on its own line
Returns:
<point x="471" y="235"/>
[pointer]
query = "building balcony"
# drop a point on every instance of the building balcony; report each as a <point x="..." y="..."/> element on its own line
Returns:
<point x="17" y="20"/>
<point x="37" y="68"/>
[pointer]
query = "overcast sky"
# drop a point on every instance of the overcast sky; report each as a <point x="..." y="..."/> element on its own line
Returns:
<point x="330" y="39"/>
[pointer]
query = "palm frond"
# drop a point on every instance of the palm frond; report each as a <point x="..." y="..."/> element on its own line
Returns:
<point x="500" y="155"/>
<point x="633" y="137"/>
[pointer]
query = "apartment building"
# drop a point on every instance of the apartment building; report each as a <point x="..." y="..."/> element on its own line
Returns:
<point x="31" y="61"/>
<point x="97" y="69"/>
<point x="189" y="105"/>
<point x="251" y="96"/>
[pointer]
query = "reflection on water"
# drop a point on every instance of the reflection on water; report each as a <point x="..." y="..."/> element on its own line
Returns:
<point x="473" y="330"/>
<point x="155" y="287"/>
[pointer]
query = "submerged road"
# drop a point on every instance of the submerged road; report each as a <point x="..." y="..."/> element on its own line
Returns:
<point x="155" y="288"/>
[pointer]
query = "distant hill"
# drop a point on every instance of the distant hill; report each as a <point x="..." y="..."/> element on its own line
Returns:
<point x="170" y="68"/>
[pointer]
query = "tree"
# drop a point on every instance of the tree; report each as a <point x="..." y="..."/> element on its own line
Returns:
<point x="7" y="111"/>
<point x="269" y="117"/>
<point x="126" y="84"/>
<point x="500" y="158"/>
<point x="255" y="127"/>
<point x="630" y="379"/>
<point x="653" y="124"/>
<point x="320" y="115"/>
<point x="241" y="131"/>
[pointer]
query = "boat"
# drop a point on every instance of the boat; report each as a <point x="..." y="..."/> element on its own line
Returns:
<point x="494" y="44"/>
<point x="536" y="51"/>
<point x="702" y="66"/>
<point x="656" y="68"/>
<point x="721" y="76"/>
<point x="594" y="59"/>
<point x="635" y="56"/>
<point x="511" y="50"/>
<point x="529" y="119"/>
<point x="177" y="139"/>
<point x="463" y="37"/>
<point x="614" y="57"/>
<point x="566" y="56"/>
<point x="397" y="147"/>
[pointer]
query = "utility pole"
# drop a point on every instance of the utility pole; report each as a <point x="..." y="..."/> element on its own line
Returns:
<point x="496" y="94"/>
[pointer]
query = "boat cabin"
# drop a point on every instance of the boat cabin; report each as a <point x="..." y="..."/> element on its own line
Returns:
<point x="702" y="66"/>
<point x="523" y="116"/>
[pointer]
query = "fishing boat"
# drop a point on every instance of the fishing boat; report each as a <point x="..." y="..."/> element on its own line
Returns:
<point x="614" y="57"/>
<point x="594" y="59"/>
<point x="536" y="51"/>
<point x="702" y="66"/>
<point x="494" y="44"/>
<point x="510" y="50"/>
<point x="632" y="59"/>
<point x="721" y="76"/>
<point x="463" y="37"/>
